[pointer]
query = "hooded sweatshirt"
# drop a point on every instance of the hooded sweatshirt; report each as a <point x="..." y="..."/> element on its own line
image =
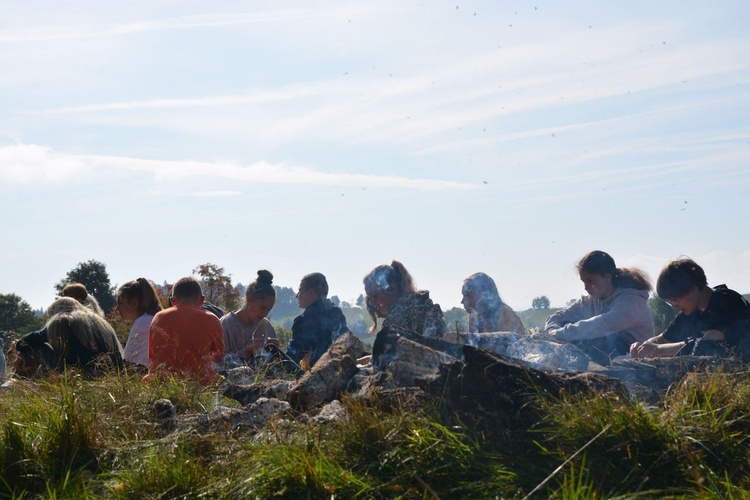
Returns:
<point x="625" y="312"/>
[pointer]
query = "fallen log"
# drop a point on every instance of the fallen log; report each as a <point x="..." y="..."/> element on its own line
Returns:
<point x="487" y="388"/>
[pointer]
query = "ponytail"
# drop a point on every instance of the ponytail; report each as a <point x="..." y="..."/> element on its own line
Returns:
<point x="143" y="291"/>
<point x="631" y="277"/>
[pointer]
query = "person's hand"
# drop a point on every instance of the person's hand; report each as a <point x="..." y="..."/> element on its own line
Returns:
<point x="634" y="349"/>
<point x="644" y="350"/>
<point x="254" y="347"/>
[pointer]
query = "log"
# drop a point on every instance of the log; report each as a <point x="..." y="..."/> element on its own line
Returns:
<point x="488" y="389"/>
<point x="329" y="376"/>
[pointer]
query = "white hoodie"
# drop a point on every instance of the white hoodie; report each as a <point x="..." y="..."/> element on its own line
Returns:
<point x="625" y="311"/>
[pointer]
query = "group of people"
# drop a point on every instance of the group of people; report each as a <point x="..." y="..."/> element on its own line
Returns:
<point x="196" y="338"/>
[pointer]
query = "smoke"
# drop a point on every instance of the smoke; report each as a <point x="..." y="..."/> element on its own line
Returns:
<point x="535" y="352"/>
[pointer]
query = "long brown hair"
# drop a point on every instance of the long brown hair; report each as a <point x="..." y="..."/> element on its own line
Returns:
<point x="622" y="277"/>
<point x="384" y="278"/>
<point x="142" y="290"/>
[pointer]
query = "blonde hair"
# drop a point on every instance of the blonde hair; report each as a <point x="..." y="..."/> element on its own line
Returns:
<point x="72" y="324"/>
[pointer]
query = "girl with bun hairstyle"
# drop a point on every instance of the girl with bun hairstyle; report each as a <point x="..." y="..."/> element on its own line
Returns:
<point x="247" y="330"/>
<point x="138" y="302"/>
<point x="613" y="316"/>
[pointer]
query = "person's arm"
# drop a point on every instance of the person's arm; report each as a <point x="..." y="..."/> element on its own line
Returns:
<point x="574" y="312"/>
<point x="655" y="347"/>
<point x="626" y="311"/>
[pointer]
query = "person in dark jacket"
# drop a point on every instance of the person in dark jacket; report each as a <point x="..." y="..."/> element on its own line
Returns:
<point x="318" y="326"/>
<point x="712" y="321"/>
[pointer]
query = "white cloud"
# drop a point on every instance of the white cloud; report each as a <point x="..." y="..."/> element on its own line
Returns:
<point x="32" y="163"/>
<point x="29" y="163"/>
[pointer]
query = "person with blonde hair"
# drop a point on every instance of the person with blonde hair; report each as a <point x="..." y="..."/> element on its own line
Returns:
<point x="79" y="337"/>
<point x="486" y="310"/>
<point x="138" y="302"/>
<point x="614" y="315"/>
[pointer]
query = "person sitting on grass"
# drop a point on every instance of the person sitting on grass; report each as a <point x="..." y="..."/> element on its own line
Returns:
<point x="185" y="339"/>
<point x="247" y="331"/>
<point x="486" y="310"/>
<point x="711" y="321"/>
<point x="138" y="302"/>
<point x="318" y="326"/>
<point x="613" y="315"/>
<point x="80" y="338"/>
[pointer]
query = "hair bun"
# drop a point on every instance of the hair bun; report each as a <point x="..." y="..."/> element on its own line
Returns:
<point x="265" y="277"/>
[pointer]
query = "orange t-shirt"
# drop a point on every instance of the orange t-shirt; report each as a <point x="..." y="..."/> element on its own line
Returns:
<point x="185" y="339"/>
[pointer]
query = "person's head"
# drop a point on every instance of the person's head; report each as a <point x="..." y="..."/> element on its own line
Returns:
<point x="260" y="296"/>
<point x="600" y="275"/>
<point x="479" y="291"/>
<point x="597" y="270"/>
<point x="312" y="287"/>
<point x="74" y="325"/>
<point x="187" y="290"/>
<point x="384" y="285"/>
<point x="77" y="291"/>
<point x="63" y="305"/>
<point x="681" y="283"/>
<point x="136" y="298"/>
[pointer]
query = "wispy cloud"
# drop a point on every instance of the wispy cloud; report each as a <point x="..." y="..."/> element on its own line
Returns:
<point x="177" y="23"/>
<point x="27" y="163"/>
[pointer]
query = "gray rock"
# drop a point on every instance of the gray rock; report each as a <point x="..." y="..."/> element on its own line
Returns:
<point x="330" y="376"/>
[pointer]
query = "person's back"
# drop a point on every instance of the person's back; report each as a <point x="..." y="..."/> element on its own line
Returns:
<point x="186" y="339"/>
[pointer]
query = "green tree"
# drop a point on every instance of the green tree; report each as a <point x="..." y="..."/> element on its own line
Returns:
<point x="456" y="319"/>
<point x="217" y="286"/>
<point x="286" y="303"/>
<point x="662" y="312"/>
<point x="16" y="314"/>
<point x="93" y="275"/>
<point x="541" y="302"/>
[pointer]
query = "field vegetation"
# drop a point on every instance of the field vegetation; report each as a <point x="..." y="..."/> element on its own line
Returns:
<point x="71" y="437"/>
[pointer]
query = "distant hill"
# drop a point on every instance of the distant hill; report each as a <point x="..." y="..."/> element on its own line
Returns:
<point x="535" y="318"/>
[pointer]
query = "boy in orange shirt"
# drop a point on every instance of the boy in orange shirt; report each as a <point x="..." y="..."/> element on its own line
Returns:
<point x="185" y="339"/>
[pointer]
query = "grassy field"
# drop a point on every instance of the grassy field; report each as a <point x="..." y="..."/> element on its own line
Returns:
<point x="68" y="437"/>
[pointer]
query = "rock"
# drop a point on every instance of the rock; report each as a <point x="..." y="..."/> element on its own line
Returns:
<point x="330" y="376"/>
<point x="248" y="394"/>
<point x="332" y="412"/>
<point x="252" y="416"/>
<point x="165" y="414"/>
<point x="415" y="362"/>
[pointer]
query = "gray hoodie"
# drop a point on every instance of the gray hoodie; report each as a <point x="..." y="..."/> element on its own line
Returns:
<point x="625" y="311"/>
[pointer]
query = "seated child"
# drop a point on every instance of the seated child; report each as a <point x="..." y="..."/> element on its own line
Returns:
<point x="613" y="315"/>
<point x="486" y="310"/>
<point x="318" y="326"/>
<point x="185" y="338"/>
<point x="247" y="331"/>
<point x="711" y="322"/>
<point x="138" y="302"/>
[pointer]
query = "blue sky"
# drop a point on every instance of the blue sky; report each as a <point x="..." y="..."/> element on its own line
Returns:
<point x="499" y="136"/>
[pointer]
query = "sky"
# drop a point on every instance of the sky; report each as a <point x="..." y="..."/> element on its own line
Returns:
<point x="509" y="137"/>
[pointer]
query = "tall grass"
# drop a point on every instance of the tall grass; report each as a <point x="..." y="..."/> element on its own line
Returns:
<point x="72" y="437"/>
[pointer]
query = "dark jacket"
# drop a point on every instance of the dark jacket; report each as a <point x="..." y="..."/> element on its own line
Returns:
<point x="315" y="330"/>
